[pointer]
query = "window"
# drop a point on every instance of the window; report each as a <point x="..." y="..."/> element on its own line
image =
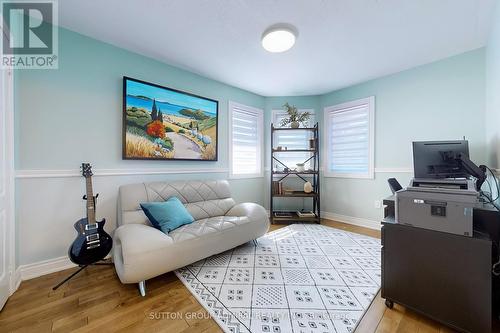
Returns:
<point x="349" y="137"/>
<point x="245" y="141"/>
<point x="292" y="140"/>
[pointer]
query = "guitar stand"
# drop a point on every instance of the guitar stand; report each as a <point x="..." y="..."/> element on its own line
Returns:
<point x="82" y="267"/>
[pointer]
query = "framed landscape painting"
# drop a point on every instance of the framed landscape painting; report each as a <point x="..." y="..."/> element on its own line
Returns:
<point x="161" y="123"/>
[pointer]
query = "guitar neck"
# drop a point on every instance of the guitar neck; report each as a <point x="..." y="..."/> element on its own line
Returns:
<point x="90" y="201"/>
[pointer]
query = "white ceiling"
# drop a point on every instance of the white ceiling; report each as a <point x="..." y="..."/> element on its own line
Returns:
<point x="340" y="42"/>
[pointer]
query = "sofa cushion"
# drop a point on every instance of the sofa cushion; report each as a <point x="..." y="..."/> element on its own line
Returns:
<point x="202" y="199"/>
<point x="210" y="208"/>
<point x="207" y="226"/>
<point x="188" y="191"/>
<point x="167" y="215"/>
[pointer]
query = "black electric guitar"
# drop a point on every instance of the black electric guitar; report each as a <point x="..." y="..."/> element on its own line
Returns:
<point x="92" y="243"/>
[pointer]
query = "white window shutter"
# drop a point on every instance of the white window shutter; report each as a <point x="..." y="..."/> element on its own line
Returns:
<point x="350" y="139"/>
<point x="246" y="133"/>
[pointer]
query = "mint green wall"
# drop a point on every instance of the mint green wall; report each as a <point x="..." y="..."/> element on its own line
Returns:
<point x="493" y="92"/>
<point x="441" y="100"/>
<point x="74" y="114"/>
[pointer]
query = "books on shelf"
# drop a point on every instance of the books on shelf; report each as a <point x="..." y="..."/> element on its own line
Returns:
<point x="277" y="187"/>
<point x="305" y="214"/>
<point x="283" y="214"/>
<point x="290" y="214"/>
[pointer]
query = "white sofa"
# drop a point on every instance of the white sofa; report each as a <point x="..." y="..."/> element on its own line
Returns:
<point x="141" y="252"/>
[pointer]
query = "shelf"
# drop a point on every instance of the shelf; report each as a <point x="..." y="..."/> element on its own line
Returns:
<point x="296" y="194"/>
<point x="295" y="151"/>
<point x="278" y="175"/>
<point x="295" y="217"/>
<point x="294" y="129"/>
<point x="295" y="173"/>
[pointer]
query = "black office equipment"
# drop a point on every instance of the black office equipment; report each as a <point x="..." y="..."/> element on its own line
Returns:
<point x="394" y="185"/>
<point x="436" y="159"/>
<point x="478" y="172"/>
<point x="445" y="190"/>
<point x="441" y="275"/>
<point x="433" y="280"/>
<point x="441" y="239"/>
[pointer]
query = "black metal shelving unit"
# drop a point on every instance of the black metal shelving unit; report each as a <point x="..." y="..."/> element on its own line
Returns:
<point x="312" y="174"/>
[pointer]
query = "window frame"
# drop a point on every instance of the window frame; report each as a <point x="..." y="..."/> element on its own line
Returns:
<point x="260" y="141"/>
<point x="370" y="101"/>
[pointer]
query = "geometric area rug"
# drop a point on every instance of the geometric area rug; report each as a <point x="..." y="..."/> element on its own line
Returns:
<point x="301" y="278"/>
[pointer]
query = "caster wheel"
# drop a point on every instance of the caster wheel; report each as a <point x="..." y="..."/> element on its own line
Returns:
<point x="389" y="304"/>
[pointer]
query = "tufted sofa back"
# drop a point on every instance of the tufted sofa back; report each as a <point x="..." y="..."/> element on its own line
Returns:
<point x="202" y="199"/>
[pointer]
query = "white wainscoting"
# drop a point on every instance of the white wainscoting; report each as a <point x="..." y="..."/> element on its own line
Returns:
<point x="49" y="202"/>
<point x="64" y="186"/>
<point x="34" y="270"/>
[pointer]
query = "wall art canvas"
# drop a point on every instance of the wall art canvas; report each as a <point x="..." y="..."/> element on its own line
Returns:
<point x="161" y="123"/>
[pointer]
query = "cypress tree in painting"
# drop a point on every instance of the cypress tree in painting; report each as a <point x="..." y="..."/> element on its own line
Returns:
<point x="154" y="113"/>
<point x="160" y="115"/>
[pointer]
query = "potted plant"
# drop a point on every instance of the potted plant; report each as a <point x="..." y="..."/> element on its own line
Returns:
<point x="295" y="118"/>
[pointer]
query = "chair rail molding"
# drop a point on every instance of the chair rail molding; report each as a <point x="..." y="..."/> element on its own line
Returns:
<point x="65" y="173"/>
<point x="393" y="170"/>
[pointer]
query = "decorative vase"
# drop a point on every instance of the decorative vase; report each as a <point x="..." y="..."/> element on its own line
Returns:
<point x="295" y="124"/>
<point x="308" y="187"/>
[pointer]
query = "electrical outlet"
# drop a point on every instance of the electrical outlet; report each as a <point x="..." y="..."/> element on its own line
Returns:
<point x="377" y="204"/>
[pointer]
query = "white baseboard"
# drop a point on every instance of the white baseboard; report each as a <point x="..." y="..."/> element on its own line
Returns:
<point x="44" y="267"/>
<point x="358" y="221"/>
<point x="31" y="271"/>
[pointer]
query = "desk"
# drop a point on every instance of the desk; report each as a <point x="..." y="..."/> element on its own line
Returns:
<point x="444" y="276"/>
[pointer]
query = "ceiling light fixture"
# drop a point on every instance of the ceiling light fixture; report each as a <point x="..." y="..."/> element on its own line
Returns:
<point x="279" y="38"/>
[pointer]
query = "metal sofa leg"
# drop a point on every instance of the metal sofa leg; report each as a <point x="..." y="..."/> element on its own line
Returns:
<point x="142" y="288"/>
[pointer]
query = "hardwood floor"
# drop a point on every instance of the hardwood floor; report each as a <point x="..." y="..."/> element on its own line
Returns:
<point x="96" y="301"/>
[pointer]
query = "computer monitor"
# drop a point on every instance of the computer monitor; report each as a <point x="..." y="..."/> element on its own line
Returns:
<point x="436" y="159"/>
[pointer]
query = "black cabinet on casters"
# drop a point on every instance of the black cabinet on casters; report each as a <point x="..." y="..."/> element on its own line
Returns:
<point x="443" y="276"/>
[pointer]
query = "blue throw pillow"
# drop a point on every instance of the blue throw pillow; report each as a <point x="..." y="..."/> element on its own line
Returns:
<point x="167" y="215"/>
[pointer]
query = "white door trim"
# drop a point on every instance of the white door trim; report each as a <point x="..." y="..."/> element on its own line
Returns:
<point x="8" y="97"/>
<point x="14" y="283"/>
<point x="8" y="94"/>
